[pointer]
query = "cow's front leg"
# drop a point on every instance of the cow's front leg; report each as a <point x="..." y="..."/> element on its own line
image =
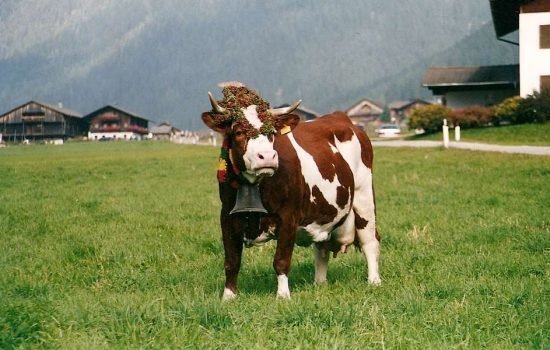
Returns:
<point x="282" y="260"/>
<point x="233" y="247"/>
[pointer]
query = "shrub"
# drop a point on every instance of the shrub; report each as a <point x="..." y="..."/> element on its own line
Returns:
<point x="534" y="108"/>
<point x="506" y="111"/>
<point x="472" y="116"/>
<point x="430" y="118"/>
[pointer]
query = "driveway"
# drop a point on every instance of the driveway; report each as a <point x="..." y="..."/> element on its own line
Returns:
<point x="474" y="146"/>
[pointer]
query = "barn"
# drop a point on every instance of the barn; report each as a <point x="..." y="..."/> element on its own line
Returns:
<point x="115" y="123"/>
<point x="39" y="121"/>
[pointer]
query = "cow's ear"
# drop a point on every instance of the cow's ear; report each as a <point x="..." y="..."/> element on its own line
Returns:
<point x="286" y="123"/>
<point x="213" y="123"/>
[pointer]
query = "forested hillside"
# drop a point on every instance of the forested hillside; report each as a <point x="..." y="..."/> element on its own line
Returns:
<point x="159" y="58"/>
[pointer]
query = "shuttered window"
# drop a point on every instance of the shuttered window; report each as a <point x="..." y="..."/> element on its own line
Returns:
<point x="545" y="82"/>
<point x="545" y="37"/>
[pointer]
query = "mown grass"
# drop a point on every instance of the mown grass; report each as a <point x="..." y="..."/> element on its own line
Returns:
<point x="117" y="245"/>
<point x="522" y="134"/>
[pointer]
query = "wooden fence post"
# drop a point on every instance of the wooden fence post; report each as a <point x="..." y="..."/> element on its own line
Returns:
<point x="445" y="134"/>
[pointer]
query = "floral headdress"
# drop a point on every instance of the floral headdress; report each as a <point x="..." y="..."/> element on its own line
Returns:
<point x="236" y="96"/>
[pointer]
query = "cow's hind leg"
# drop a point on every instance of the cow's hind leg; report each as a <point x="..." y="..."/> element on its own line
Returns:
<point x="365" y="224"/>
<point x="322" y="257"/>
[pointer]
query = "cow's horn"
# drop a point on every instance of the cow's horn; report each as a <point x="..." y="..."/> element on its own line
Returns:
<point x="215" y="106"/>
<point x="285" y="110"/>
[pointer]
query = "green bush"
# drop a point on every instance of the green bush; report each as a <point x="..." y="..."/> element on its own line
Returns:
<point x="472" y="116"/>
<point x="506" y="111"/>
<point x="534" y="108"/>
<point x="430" y="118"/>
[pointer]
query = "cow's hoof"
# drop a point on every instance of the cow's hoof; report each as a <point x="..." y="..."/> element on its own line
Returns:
<point x="321" y="282"/>
<point x="283" y="296"/>
<point x="228" y="295"/>
<point x="375" y="281"/>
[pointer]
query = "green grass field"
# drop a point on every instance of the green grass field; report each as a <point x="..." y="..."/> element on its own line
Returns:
<point x="523" y="134"/>
<point x="117" y="245"/>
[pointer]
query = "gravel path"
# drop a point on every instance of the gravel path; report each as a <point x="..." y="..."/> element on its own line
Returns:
<point x="536" y="150"/>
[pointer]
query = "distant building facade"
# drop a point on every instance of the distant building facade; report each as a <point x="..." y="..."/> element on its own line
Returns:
<point x="458" y="87"/>
<point x="39" y="121"/>
<point x="534" y="46"/>
<point x="365" y="111"/>
<point x="164" y="131"/>
<point x="400" y="111"/>
<point x="115" y="123"/>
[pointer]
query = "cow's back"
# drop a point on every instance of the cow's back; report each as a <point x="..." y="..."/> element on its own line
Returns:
<point x="315" y="184"/>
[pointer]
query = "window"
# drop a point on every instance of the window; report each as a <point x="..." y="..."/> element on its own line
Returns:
<point x="545" y="37"/>
<point x="545" y="82"/>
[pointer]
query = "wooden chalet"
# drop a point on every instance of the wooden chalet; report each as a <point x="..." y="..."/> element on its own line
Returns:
<point x="365" y="111"/>
<point x="458" y="87"/>
<point x="401" y="110"/>
<point x="164" y="131"/>
<point x="115" y="123"/>
<point x="38" y="121"/>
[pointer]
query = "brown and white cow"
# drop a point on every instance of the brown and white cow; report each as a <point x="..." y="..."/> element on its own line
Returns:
<point x="315" y="180"/>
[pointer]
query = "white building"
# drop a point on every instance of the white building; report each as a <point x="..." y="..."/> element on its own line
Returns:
<point x="534" y="46"/>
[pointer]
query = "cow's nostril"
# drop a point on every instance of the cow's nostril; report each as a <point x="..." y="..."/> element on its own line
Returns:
<point x="260" y="156"/>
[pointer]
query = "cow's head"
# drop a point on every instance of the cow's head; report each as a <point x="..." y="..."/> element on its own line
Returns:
<point x="249" y="128"/>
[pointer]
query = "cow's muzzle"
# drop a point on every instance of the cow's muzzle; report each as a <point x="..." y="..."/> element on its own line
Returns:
<point x="265" y="163"/>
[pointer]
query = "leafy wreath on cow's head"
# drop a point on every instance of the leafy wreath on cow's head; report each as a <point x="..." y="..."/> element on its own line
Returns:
<point x="236" y="97"/>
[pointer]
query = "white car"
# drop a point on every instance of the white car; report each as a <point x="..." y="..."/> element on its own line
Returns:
<point x="388" y="130"/>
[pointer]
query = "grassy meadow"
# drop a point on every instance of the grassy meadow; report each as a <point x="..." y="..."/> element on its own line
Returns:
<point x="117" y="245"/>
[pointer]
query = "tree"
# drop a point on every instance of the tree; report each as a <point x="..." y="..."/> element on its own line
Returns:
<point x="385" y="116"/>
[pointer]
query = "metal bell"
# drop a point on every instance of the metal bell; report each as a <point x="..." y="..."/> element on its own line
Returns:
<point x="248" y="200"/>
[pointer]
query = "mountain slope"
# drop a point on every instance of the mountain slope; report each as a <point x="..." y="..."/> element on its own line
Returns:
<point x="159" y="58"/>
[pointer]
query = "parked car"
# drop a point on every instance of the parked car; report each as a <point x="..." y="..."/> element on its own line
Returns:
<point x="388" y="130"/>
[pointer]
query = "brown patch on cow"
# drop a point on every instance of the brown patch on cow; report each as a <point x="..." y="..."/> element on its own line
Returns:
<point x="360" y="223"/>
<point x="342" y="196"/>
<point x="325" y="213"/>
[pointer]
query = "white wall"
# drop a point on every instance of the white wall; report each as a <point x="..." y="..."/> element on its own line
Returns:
<point x="533" y="61"/>
<point x="95" y="136"/>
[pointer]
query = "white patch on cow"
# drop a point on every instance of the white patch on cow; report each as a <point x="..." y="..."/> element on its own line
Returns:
<point x="328" y="189"/>
<point x="262" y="239"/>
<point x="363" y="205"/>
<point x="251" y="115"/>
<point x="282" y="287"/>
<point x="228" y="295"/>
<point x="256" y="166"/>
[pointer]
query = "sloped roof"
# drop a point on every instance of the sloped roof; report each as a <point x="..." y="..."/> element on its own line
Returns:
<point x="65" y="111"/>
<point x="118" y="108"/>
<point x="471" y="76"/>
<point x="161" y="129"/>
<point x="506" y="15"/>
<point x="405" y="104"/>
<point x="359" y="107"/>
